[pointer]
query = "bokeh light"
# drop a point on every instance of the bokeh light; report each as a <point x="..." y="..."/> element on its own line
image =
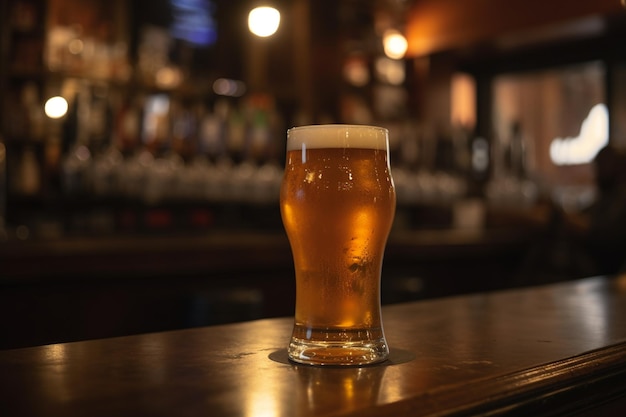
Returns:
<point x="228" y="87"/>
<point x="56" y="107"/>
<point x="394" y="44"/>
<point x="264" y="21"/>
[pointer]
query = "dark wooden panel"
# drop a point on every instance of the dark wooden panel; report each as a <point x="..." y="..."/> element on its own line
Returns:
<point x="436" y="25"/>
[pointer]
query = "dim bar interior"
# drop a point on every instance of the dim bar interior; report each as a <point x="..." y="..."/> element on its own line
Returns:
<point x="142" y="147"/>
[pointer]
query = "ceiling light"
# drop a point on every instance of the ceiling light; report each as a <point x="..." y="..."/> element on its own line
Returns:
<point x="263" y="21"/>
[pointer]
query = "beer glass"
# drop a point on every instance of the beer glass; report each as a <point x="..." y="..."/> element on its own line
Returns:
<point x="337" y="203"/>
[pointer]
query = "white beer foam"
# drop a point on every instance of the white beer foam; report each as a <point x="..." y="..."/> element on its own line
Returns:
<point x="337" y="136"/>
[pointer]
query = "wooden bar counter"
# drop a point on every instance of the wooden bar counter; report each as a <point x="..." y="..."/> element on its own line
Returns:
<point x="558" y="349"/>
<point x="82" y="288"/>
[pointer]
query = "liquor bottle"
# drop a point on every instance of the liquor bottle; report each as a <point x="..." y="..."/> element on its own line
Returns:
<point x="29" y="173"/>
<point x="3" y="189"/>
<point x="76" y="158"/>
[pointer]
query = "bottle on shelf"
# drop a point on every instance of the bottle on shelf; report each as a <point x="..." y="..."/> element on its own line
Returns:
<point x="3" y="189"/>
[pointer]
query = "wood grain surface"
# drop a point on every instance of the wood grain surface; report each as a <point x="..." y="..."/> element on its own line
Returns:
<point x="548" y="350"/>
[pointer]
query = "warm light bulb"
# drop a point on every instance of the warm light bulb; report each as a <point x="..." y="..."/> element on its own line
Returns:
<point x="56" y="107"/>
<point x="394" y="44"/>
<point x="263" y="21"/>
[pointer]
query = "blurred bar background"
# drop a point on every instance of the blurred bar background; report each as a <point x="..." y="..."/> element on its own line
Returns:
<point x="142" y="146"/>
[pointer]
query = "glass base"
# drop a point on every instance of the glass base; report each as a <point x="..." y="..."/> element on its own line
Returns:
<point x="346" y="347"/>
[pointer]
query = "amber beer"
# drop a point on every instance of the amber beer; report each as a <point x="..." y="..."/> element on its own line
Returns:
<point x="337" y="204"/>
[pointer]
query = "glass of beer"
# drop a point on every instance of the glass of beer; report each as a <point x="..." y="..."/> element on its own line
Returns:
<point x="337" y="203"/>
